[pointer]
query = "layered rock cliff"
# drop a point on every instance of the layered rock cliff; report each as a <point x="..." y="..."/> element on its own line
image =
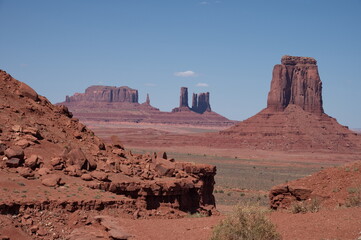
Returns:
<point x="105" y="94"/>
<point x="296" y="81"/>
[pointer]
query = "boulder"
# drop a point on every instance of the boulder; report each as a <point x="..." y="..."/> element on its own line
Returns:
<point x="72" y="171"/>
<point x="164" y="167"/>
<point x="86" y="177"/>
<point x="25" y="172"/>
<point x="52" y="181"/>
<point x="32" y="131"/>
<point x="77" y="157"/>
<point x="32" y="162"/>
<point x="15" y="152"/>
<point x="43" y="171"/>
<point x="112" y="226"/>
<point x="13" y="162"/>
<point x="26" y="91"/>
<point x="101" y="176"/>
<point x="23" y="143"/>
<point x="283" y="196"/>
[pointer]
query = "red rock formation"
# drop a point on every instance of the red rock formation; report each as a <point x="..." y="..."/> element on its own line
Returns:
<point x="328" y="188"/>
<point x="105" y="94"/>
<point x="294" y="117"/>
<point x="148" y="100"/>
<point x="296" y="81"/>
<point x="202" y="104"/>
<point x="194" y="101"/>
<point x="61" y="150"/>
<point x="183" y="102"/>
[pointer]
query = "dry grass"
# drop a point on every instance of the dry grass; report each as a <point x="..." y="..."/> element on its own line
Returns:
<point x="248" y="221"/>
<point x="306" y="206"/>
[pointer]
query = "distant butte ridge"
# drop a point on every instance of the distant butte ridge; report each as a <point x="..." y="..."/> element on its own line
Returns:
<point x="294" y="118"/>
<point x="120" y="104"/>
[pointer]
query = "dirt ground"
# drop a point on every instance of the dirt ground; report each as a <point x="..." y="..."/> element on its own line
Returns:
<point x="330" y="223"/>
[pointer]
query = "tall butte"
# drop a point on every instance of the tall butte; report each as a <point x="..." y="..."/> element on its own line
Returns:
<point x="296" y="81"/>
<point x="294" y="118"/>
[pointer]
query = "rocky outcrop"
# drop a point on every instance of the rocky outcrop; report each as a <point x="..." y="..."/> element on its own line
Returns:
<point x="329" y="188"/>
<point x="283" y="196"/>
<point x="194" y="101"/>
<point x="60" y="150"/>
<point x="296" y="81"/>
<point x="183" y="101"/>
<point x="201" y="104"/>
<point x="105" y="94"/>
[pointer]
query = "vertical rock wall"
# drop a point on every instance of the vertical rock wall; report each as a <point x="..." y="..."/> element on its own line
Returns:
<point x="296" y="81"/>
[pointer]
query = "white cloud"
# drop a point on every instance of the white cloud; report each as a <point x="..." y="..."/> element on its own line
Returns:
<point x="202" y="85"/>
<point x="204" y="3"/>
<point x="185" y="74"/>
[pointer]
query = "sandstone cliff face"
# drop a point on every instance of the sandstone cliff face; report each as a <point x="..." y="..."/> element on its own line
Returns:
<point x="105" y="94"/>
<point x="296" y="81"/>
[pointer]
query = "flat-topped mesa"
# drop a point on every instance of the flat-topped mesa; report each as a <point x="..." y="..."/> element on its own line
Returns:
<point x="105" y="94"/>
<point x="296" y="81"/>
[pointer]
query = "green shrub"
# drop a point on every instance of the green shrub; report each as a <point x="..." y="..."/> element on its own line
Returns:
<point x="353" y="201"/>
<point x="303" y="207"/>
<point x="246" y="222"/>
<point x="298" y="207"/>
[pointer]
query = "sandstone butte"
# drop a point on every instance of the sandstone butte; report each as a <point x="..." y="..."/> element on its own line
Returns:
<point x="52" y="165"/>
<point x="294" y="118"/>
<point x="120" y="104"/>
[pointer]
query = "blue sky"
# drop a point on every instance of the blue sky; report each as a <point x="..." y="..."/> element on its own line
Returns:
<point x="225" y="47"/>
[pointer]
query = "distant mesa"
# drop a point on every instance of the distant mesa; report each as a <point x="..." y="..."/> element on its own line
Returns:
<point x="105" y="94"/>
<point x="294" y="118"/>
<point x="120" y="104"/>
<point x="200" y="102"/>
